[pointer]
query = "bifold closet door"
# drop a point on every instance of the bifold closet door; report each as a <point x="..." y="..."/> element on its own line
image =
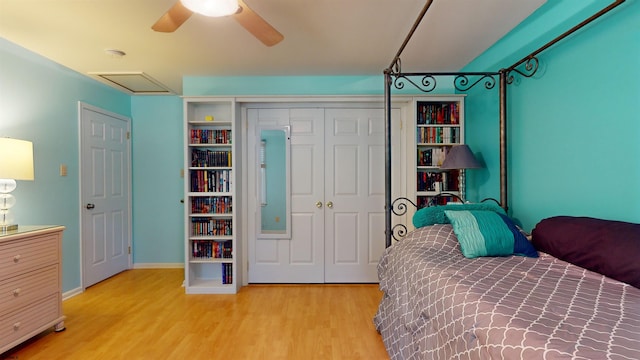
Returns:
<point x="301" y="258"/>
<point x="337" y="198"/>
<point x="354" y="194"/>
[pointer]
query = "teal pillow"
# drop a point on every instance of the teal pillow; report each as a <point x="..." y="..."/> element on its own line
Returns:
<point x="487" y="233"/>
<point x="432" y="215"/>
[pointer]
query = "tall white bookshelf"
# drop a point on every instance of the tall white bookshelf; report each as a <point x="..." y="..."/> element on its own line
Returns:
<point x="438" y="124"/>
<point x="211" y="206"/>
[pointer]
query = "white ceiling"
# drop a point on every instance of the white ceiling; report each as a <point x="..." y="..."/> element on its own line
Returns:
<point x="322" y="37"/>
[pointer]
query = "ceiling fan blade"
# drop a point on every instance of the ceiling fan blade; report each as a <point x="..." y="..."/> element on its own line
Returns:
<point x="172" y="19"/>
<point x="257" y="26"/>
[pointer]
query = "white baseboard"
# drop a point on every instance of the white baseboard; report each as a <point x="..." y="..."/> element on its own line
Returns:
<point x="158" y="266"/>
<point x="71" y="293"/>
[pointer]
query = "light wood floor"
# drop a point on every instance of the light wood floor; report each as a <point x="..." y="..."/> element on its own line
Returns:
<point x="144" y="314"/>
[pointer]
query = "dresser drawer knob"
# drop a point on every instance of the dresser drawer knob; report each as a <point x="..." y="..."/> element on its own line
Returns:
<point x="16" y="258"/>
<point x="16" y="292"/>
<point x="16" y="326"/>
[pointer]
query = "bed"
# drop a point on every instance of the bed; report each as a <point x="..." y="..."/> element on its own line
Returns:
<point x="440" y="304"/>
<point x="571" y="290"/>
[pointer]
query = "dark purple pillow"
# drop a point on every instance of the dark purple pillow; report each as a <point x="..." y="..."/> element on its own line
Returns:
<point x="611" y="248"/>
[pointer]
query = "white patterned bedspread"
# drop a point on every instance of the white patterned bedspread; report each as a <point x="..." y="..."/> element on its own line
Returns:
<point x="437" y="304"/>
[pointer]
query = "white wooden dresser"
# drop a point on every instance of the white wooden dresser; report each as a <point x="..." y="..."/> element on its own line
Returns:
<point x="30" y="283"/>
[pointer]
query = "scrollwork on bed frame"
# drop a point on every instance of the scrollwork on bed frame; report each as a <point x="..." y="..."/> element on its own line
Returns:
<point x="427" y="82"/>
<point x="528" y="70"/>
<point x="399" y="207"/>
<point x="461" y="81"/>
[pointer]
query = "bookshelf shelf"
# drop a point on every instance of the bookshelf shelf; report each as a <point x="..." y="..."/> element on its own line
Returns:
<point x="210" y="168"/>
<point x="203" y="286"/>
<point x="211" y="215"/>
<point x="211" y="224"/>
<point x="437" y="144"/>
<point x="214" y="123"/>
<point x="438" y="125"/>
<point x="212" y="238"/>
<point x="211" y="260"/>
<point x="211" y="145"/>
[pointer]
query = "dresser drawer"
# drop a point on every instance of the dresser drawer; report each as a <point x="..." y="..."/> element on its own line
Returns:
<point x="28" y="319"/>
<point x="25" y="255"/>
<point x="27" y="288"/>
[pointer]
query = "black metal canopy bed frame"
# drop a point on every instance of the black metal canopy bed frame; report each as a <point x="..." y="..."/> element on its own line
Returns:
<point x="468" y="284"/>
<point x="462" y="81"/>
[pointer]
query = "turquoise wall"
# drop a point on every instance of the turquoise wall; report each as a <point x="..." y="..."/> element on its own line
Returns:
<point x="283" y="85"/>
<point x="39" y="103"/>
<point x="573" y="128"/>
<point x="294" y="85"/>
<point x="157" y="158"/>
<point x="482" y="124"/>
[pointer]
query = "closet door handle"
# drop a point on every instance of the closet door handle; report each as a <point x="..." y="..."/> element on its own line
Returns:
<point x="90" y="206"/>
<point x="330" y="205"/>
<point x="319" y="204"/>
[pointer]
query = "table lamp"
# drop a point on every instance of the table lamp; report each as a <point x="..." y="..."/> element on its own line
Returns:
<point x="460" y="157"/>
<point x="16" y="163"/>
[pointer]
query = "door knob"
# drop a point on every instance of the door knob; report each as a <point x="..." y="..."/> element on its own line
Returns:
<point x="330" y="205"/>
<point x="90" y="206"/>
<point x="319" y="204"/>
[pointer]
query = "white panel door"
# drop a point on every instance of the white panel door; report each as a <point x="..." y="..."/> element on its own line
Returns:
<point x="337" y="198"/>
<point x="354" y="194"/>
<point x="105" y="194"/>
<point x="300" y="259"/>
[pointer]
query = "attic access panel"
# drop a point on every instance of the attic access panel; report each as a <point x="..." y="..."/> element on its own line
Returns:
<point x="133" y="83"/>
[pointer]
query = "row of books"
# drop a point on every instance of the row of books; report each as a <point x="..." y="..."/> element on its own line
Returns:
<point x="227" y="273"/>
<point x="207" y="249"/>
<point x="211" y="180"/>
<point x="438" y="113"/>
<point x="438" y="135"/>
<point x="211" y="227"/>
<point x="432" y="156"/>
<point x="424" y="201"/>
<point x="211" y="205"/>
<point x="210" y="158"/>
<point x="437" y="181"/>
<point x="209" y="136"/>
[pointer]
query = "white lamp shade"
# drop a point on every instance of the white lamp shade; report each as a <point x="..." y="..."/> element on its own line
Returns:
<point x="16" y="159"/>
<point x="212" y="8"/>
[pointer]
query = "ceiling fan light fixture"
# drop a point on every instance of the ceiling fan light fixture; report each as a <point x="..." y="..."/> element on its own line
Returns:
<point x="213" y="8"/>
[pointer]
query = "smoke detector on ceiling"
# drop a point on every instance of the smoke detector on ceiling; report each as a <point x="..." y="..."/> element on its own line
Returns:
<point x="115" y="53"/>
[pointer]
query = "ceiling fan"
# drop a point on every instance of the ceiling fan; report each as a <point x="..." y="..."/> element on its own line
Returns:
<point x="251" y="21"/>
